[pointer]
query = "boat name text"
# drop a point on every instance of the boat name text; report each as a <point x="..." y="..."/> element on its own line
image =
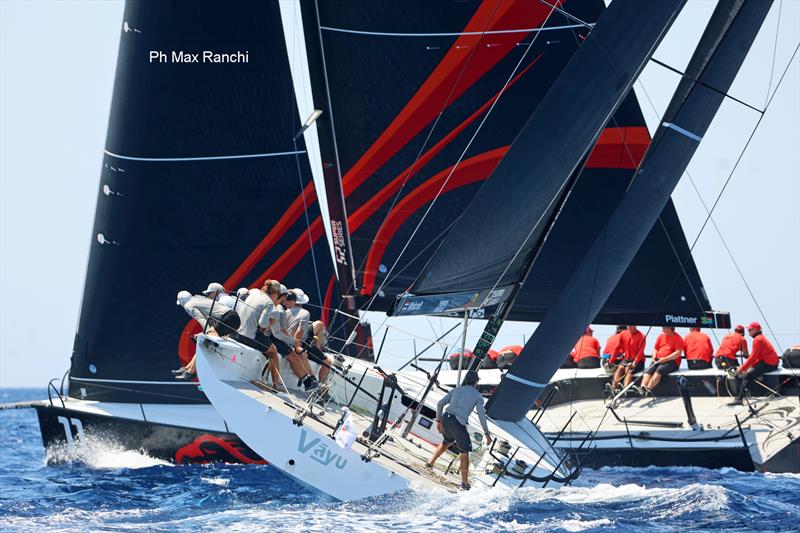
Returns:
<point x="318" y="451"/>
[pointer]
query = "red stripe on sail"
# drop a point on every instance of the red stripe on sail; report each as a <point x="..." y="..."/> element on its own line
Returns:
<point x="474" y="169"/>
<point x="470" y="57"/>
<point x="622" y="147"/>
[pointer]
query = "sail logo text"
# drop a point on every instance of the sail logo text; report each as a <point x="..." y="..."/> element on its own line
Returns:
<point x="318" y="451"/>
<point x="205" y="56"/>
<point x="678" y="319"/>
<point x="339" y="247"/>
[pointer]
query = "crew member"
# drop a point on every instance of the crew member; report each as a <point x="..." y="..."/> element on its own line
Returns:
<point x="666" y="359"/>
<point x="308" y="337"/>
<point x="731" y="346"/>
<point x="613" y="352"/>
<point x="216" y="291"/>
<point x="222" y="321"/>
<point x="453" y="424"/>
<point x="762" y="359"/>
<point x="633" y="342"/>
<point x="250" y="334"/>
<point x="586" y="352"/>
<point x="283" y="342"/>
<point x="698" y="349"/>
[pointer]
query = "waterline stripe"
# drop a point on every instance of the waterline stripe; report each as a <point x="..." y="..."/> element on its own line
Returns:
<point x="518" y="379"/>
<point x="93" y="380"/>
<point x="455" y="34"/>
<point x="210" y="158"/>
<point x="687" y="133"/>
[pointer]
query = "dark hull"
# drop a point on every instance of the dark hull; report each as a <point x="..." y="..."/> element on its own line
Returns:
<point x="737" y="458"/>
<point x="170" y="443"/>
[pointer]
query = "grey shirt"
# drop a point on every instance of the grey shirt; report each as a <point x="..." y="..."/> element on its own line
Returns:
<point x="460" y="402"/>
<point x="297" y="318"/>
<point x="198" y="308"/>
<point x="250" y="310"/>
<point x="280" y="324"/>
<point x="266" y="313"/>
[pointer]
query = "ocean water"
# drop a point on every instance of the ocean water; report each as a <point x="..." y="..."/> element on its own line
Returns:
<point x="103" y="488"/>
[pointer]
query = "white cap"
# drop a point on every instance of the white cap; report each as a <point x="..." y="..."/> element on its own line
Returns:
<point x="284" y="290"/>
<point x="183" y="297"/>
<point x="214" y="287"/>
<point x="242" y="293"/>
<point x="302" y="298"/>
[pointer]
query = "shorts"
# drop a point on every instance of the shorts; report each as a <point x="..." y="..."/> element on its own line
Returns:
<point x="227" y="324"/>
<point x="662" y="368"/>
<point x="283" y="348"/>
<point x="251" y="343"/>
<point x="589" y="362"/>
<point x="314" y="353"/>
<point x="264" y="341"/>
<point x="698" y="364"/>
<point x="633" y="369"/>
<point x="724" y="363"/>
<point x="455" y="431"/>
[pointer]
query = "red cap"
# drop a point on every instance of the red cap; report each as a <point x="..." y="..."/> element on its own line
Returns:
<point x="738" y="326"/>
<point x="754" y="325"/>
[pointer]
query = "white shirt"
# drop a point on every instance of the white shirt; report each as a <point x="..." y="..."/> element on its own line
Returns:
<point x="279" y="326"/>
<point x="198" y="308"/>
<point x="266" y="313"/>
<point x="297" y="318"/>
<point x="250" y="311"/>
<point x="228" y="301"/>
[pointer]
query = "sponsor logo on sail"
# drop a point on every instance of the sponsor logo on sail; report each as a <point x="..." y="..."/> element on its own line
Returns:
<point x="680" y="319"/>
<point x="318" y="451"/>
<point x="339" y="247"/>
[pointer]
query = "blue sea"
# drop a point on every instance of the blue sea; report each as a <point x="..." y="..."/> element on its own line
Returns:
<point x="104" y="488"/>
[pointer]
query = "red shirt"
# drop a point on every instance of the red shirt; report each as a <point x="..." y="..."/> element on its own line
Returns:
<point x="731" y="344"/>
<point x="587" y="346"/>
<point x="667" y="344"/>
<point x="697" y="345"/>
<point x="614" y="348"/>
<point x="762" y="351"/>
<point x="633" y="345"/>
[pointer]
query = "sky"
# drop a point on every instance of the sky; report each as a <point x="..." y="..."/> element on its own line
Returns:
<point x="57" y="61"/>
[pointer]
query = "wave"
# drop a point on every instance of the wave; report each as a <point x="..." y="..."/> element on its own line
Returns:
<point x="100" y="453"/>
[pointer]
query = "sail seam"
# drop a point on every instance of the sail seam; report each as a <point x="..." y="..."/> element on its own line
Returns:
<point x="451" y="34"/>
<point x="204" y="158"/>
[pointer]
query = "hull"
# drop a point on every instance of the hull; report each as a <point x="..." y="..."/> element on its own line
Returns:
<point x="64" y="428"/>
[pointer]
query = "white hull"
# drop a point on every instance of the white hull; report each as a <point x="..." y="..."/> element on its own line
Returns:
<point x="303" y="447"/>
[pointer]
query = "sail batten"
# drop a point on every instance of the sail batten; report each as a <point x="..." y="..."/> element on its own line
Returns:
<point x="716" y="61"/>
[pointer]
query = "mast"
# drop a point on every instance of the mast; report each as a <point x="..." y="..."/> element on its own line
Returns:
<point x="713" y="67"/>
<point x="358" y="334"/>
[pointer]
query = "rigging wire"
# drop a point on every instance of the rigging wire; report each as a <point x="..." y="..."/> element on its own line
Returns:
<point x="461" y="157"/>
<point x="774" y="49"/>
<point x="732" y="172"/>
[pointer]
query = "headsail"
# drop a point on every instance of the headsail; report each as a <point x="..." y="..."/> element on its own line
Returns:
<point x="715" y="63"/>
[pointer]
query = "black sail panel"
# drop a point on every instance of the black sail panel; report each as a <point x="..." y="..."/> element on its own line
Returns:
<point x="531" y="179"/>
<point x="200" y="183"/>
<point x="715" y="63"/>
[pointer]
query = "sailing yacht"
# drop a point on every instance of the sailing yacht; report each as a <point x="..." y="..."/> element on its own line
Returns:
<point x="230" y="172"/>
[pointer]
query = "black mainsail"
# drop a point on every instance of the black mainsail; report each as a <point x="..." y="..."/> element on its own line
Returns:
<point x="712" y="69"/>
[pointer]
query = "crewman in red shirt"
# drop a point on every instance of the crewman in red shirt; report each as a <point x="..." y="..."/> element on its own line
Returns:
<point x="698" y="349"/>
<point x="613" y="352"/>
<point x="666" y="359"/>
<point x="633" y="342"/>
<point x="762" y="359"/>
<point x="586" y="352"/>
<point x="731" y="345"/>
